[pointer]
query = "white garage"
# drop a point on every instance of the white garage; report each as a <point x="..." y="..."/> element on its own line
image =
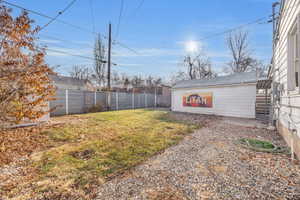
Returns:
<point x="232" y="95"/>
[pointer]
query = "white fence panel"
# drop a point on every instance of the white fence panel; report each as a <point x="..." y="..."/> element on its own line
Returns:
<point x="77" y="101"/>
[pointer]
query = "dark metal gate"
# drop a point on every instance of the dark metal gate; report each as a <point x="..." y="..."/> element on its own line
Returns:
<point x="263" y="100"/>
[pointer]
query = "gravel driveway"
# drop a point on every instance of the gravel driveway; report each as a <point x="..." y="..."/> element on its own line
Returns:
<point x="208" y="164"/>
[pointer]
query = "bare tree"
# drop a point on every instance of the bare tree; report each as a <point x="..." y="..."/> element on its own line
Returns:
<point x="242" y="60"/>
<point x="262" y="70"/>
<point x="126" y="82"/>
<point x="238" y="45"/>
<point x="149" y="81"/>
<point x="199" y="67"/>
<point x="99" y="65"/>
<point x="115" y="77"/>
<point x="157" y="81"/>
<point x="81" y="72"/>
<point x="179" y="76"/>
<point x="203" y="69"/>
<point x="190" y="67"/>
<point x="55" y="68"/>
<point x="137" y="81"/>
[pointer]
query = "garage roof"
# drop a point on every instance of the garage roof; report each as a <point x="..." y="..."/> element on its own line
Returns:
<point x="237" y="78"/>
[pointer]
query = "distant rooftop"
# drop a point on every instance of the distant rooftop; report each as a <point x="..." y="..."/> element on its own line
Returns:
<point x="66" y="80"/>
<point x="237" y="78"/>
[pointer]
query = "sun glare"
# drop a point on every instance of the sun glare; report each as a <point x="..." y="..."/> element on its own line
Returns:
<point x="191" y="46"/>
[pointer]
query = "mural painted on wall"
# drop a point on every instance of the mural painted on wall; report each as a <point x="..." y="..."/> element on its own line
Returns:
<point x="198" y="100"/>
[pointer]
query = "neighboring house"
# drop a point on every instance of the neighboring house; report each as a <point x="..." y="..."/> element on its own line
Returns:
<point x="121" y="87"/>
<point x="233" y="95"/>
<point x="165" y="90"/>
<point x="65" y="82"/>
<point x="160" y="89"/>
<point x="285" y="72"/>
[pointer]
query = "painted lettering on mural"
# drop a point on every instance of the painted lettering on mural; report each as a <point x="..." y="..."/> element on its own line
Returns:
<point x="198" y="100"/>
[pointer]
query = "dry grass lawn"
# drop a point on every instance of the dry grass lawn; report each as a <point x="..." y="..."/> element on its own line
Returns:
<point x="88" y="149"/>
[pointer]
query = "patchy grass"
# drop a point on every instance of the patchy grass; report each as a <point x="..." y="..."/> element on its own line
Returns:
<point x="99" y="146"/>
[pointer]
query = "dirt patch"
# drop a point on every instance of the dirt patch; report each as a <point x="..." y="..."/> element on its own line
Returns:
<point x="68" y="119"/>
<point x="83" y="155"/>
<point x="166" y="193"/>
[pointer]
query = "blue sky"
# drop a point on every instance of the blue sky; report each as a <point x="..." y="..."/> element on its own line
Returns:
<point x="158" y="31"/>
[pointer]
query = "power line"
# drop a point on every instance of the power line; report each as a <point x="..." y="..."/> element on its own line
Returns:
<point x="59" y="13"/>
<point x="66" y="23"/>
<point x="120" y="16"/>
<point x="88" y="45"/>
<point x="68" y="41"/>
<point x="92" y="14"/>
<point x="257" y="21"/>
<point x="138" y="7"/>
<point x="126" y="47"/>
<point x="48" y="17"/>
<point x="70" y="54"/>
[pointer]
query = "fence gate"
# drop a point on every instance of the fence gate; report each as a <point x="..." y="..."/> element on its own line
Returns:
<point x="262" y="107"/>
<point x="263" y="100"/>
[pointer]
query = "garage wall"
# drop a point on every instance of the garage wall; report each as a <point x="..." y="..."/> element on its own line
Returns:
<point x="234" y="101"/>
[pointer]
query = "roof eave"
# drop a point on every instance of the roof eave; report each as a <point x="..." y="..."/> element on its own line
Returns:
<point x="218" y="85"/>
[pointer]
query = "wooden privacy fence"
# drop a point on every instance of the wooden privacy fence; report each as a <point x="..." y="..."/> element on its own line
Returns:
<point x="78" y="101"/>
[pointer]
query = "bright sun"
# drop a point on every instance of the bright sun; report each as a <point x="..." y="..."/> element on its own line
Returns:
<point x="191" y="46"/>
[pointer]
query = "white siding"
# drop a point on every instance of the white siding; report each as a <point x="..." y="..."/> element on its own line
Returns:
<point x="287" y="110"/>
<point x="234" y="101"/>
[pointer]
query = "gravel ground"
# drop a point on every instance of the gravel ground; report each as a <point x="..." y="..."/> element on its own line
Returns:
<point x="208" y="164"/>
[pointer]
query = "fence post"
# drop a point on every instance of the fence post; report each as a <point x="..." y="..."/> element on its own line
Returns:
<point x="67" y="102"/>
<point x="95" y="98"/>
<point x="155" y="100"/>
<point x="132" y="99"/>
<point x="117" y="101"/>
<point x="108" y="100"/>
<point x="146" y="100"/>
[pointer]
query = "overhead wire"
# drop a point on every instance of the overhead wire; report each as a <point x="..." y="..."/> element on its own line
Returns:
<point x="47" y="16"/>
<point x="257" y="21"/>
<point x="230" y="30"/>
<point x="70" y="54"/>
<point x="138" y="7"/>
<point x="119" y="19"/>
<point x="58" y="14"/>
<point x="66" y="23"/>
<point x="92" y="14"/>
<point x="67" y="41"/>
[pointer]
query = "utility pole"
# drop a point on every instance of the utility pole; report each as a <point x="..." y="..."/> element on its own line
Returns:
<point x="109" y="57"/>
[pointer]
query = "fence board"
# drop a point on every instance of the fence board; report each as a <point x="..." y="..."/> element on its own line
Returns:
<point x="125" y="101"/>
<point x="59" y="103"/>
<point x="81" y="101"/>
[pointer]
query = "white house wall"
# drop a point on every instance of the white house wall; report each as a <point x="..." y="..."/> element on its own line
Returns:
<point x="287" y="110"/>
<point x="289" y="103"/>
<point x="234" y="101"/>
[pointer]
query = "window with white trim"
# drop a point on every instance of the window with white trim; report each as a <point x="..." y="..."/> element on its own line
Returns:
<point x="294" y="57"/>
